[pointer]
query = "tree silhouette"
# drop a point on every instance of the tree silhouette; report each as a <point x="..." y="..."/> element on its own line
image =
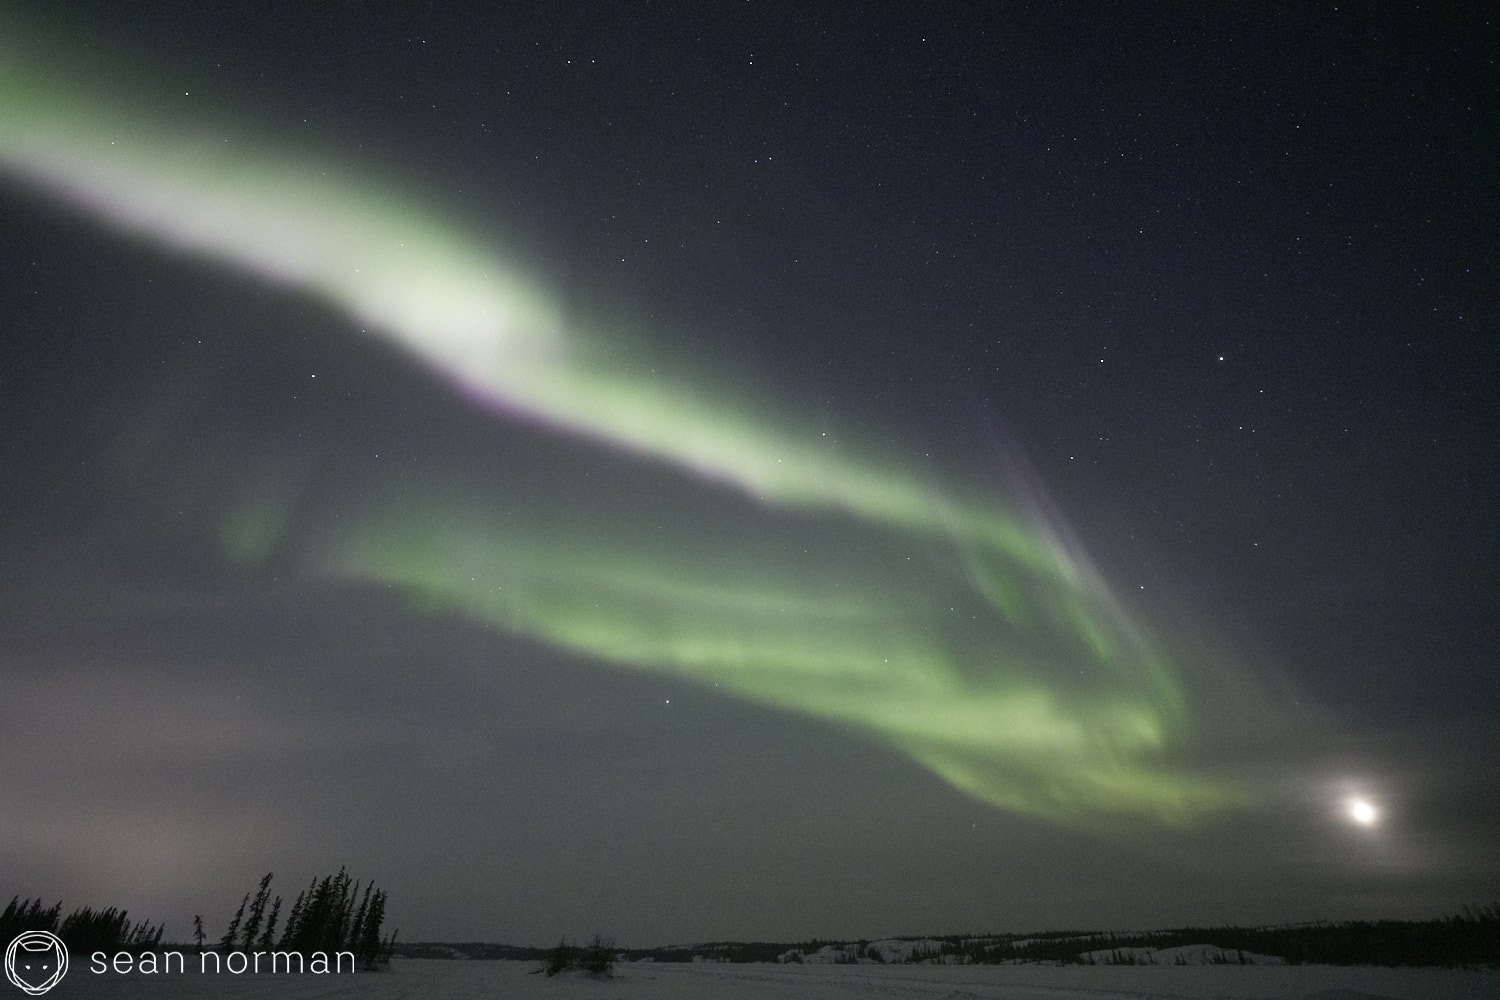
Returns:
<point x="226" y="943"/>
<point x="257" y="911"/>
<point x="269" y="934"/>
<point x="334" y="913"/>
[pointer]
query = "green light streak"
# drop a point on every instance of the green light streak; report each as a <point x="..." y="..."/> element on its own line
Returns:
<point x="422" y="282"/>
<point x="1000" y="661"/>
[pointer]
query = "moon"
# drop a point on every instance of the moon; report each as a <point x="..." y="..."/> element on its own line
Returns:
<point x="1363" y="812"/>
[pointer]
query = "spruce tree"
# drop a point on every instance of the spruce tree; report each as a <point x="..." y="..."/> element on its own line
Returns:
<point x="345" y="935"/>
<point x="257" y="911"/>
<point x="599" y="959"/>
<point x="368" y="948"/>
<point x="357" y="932"/>
<point x="288" y="933"/>
<point x="560" y="958"/>
<point x="226" y="943"/>
<point x="313" y="932"/>
<point x="269" y="934"/>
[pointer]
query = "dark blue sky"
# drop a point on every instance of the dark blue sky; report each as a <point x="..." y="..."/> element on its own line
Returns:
<point x="1225" y="277"/>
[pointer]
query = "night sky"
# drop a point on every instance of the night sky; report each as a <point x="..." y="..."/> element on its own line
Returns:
<point x="751" y="471"/>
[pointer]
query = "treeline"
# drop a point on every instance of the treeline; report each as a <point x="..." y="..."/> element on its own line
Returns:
<point x="597" y="958"/>
<point x="84" y="930"/>
<point x="332" y="914"/>
<point x="730" y="951"/>
<point x="1470" y="938"/>
<point x="720" y="951"/>
<point x="473" y="950"/>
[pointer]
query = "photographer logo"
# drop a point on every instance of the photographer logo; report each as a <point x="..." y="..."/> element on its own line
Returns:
<point x="36" y="961"/>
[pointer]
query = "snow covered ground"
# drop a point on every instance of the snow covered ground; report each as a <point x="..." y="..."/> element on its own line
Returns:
<point x="465" y="980"/>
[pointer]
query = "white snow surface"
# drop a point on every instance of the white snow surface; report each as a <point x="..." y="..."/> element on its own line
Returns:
<point x="420" y="979"/>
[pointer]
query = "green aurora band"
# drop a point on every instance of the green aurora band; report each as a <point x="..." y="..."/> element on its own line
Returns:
<point x="813" y="576"/>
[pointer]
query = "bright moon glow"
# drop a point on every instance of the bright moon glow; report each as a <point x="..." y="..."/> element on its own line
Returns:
<point x="1362" y="812"/>
<point x="840" y="581"/>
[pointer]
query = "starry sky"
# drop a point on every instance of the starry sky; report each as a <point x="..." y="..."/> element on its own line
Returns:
<point x="751" y="471"/>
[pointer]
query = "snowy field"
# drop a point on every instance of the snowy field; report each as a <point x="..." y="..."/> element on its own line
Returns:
<point x="464" y="980"/>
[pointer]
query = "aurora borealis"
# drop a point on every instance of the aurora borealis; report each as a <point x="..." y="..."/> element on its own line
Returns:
<point x="413" y="407"/>
<point x="997" y="713"/>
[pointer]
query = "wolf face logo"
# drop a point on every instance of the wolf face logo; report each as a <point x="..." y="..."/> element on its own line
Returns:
<point x="36" y="961"/>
